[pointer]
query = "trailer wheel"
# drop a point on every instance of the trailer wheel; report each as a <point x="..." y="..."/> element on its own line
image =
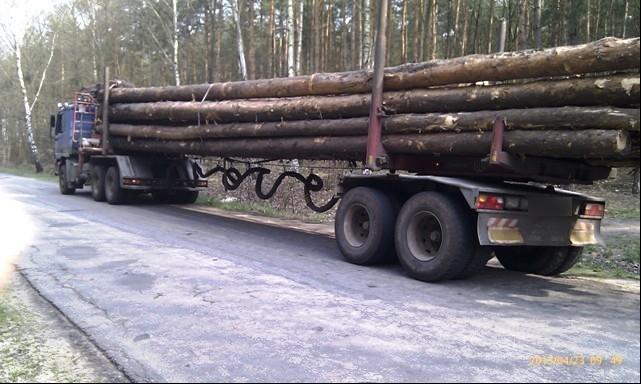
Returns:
<point x="63" y="183"/>
<point x="186" y="197"/>
<point x="364" y="226"/>
<point x="434" y="237"/>
<point x="113" y="191"/>
<point x="546" y="261"/>
<point x="573" y="256"/>
<point x="478" y="260"/>
<point x="98" y="182"/>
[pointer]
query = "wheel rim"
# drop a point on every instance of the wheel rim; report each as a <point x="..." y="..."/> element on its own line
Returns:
<point x="424" y="235"/>
<point x="357" y="225"/>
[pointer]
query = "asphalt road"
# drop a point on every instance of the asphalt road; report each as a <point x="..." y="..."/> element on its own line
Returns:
<point x="176" y="295"/>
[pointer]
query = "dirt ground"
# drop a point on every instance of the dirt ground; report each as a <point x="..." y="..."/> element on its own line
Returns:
<point x="37" y="344"/>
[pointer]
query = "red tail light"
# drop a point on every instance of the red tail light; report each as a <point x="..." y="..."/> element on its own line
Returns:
<point x="594" y="210"/>
<point x="485" y="201"/>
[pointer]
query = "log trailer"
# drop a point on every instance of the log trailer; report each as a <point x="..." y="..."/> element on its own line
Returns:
<point x="441" y="216"/>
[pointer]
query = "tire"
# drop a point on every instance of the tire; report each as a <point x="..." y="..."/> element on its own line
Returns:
<point x="545" y="261"/>
<point x="160" y="196"/>
<point x="477" y="262"/>
<point x="573" y="256"/>
<point x="364" y="226"/>
<point x="63" y="183"/>
<point x="113" y="191"/>
<point x="187" y="197"/>
<point x="98" y="182"/>
<point x="447" y="251"/>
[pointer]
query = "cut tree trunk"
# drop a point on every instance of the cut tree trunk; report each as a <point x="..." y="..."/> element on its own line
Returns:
<point x="608" y="54"/>
<point x="516" y="119"/>
<point x="592" y="144"/>
<point x="618" y="91"/>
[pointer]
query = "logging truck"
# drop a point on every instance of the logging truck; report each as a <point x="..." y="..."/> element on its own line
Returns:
<point x="446" y="182"/>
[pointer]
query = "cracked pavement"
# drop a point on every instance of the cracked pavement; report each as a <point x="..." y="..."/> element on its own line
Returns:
<point x="177" y="295"/>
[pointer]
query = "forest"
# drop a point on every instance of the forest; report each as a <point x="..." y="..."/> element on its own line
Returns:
<point x="46" y="56"/>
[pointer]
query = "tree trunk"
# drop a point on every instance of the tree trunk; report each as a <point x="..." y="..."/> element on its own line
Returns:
<point x="621" y="91"/>
<point x="291" y="39"/>
<point x="272" y="43"/>
<point x="490" y="29"/>
<point x="588" y="21"/>
<point x="28" y="107"/>
<point x="538" y="13"/>
<point x="175" y="41"/>
<point x="299" y="36"/>
<point x="242" y="66"/>
<point x="434" y="28"/>
<point x="560" y="144"/>
<point x="608" y="54"/>
<point x="575" y="118"/>
<point x="522" y="26"/>
<point x="251" y="43"/>
<point x="367" y="35"/>
<point x="624" y="22"/>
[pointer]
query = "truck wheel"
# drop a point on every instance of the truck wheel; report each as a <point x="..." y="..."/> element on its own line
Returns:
<point x="480" y="256"/>
<point x="113" y="191"/>
<point x="65" y="189"/>
<point x="98" y="182"/>
<point x="546" y="261"/>
<point x="186" y="197"/>
<point x="434" y="237"/>
<point x="364" y="226"/>
<point x="160" y="196"/>
<point x="573" y="256"/>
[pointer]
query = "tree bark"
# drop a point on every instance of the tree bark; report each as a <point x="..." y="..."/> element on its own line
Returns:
<point x="592" y="144"/>
<point x="620" y="91"/>
<point x="609" y="54"/>
<point x="576" y="118"/>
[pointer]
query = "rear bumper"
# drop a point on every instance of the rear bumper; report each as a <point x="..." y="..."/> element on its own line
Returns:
<point x="509" y="229"/>
<point x="139" y="183"/>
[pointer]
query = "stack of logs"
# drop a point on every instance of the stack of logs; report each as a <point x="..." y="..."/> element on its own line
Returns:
<point x="578" y="102"/>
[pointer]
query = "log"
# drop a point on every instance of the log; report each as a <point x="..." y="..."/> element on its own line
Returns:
<point x="608" y="54"/>
<point x="592" y="144"/>
<point x="516" y="119"/>
<point x="619" y="91"/>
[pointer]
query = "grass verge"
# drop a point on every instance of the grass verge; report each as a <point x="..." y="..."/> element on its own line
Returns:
<point x="619" y="258"/>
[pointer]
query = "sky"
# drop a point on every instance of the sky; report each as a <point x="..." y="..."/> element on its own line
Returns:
<point x="16" y="14"/>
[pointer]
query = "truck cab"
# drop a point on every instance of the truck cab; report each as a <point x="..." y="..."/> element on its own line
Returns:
<point x="114" y="177"/>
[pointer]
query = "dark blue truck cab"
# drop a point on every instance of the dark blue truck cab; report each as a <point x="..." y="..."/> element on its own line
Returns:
<point x="114" y="177"/>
